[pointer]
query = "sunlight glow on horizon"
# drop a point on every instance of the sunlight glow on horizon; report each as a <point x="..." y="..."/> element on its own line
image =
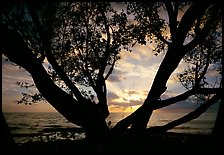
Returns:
<point x="124" y="95"/>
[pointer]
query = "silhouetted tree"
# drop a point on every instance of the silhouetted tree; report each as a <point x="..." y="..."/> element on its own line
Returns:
<point x="185" y="39"/>
<point x="82" y="42"/>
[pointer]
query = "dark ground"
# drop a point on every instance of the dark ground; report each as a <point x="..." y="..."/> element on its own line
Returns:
<point x="147" y="143"/>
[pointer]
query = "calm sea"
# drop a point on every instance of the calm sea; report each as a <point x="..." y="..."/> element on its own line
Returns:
<point x="51" y="126"/>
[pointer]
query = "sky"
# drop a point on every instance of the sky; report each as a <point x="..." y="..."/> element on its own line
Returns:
<point x="127" y="86"/>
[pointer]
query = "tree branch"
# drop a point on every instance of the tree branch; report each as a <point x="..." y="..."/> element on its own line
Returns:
<point x="160" y="37"/>
<point x="86" y="70"/>
<point x="111" y="69"/>
<point x="25" y="58"/>
<point x="100" y="83"/>
<point x="190" y="116"/>
<point x="198" y="80"/>
<point x="164" y="72"/>
<point x="107" y="51"/>
<point x="163" y="103"/>
<point x="194" y="11"/>
<point x="172" y="13"/>
<point x="201" y="34"/>
<point x="50" y="56"/>
<point x="87" y="73"/>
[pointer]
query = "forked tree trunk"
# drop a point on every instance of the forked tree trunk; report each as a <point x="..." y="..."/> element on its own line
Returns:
<point x="139" y="119"/>
<point x="176" y="51"/>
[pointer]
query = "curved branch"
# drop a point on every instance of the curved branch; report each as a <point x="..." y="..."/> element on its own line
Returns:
<point x="85" y="115"/>
<point x="194" y="11"/>
<point x="190" y="116"/>
<point x="201" y="34"/>
<point x="86" y="70"/>
<point x="160" y="37"/>
<point x="107" y="51"/>
<point x="25" y="58"/>
<point x="50" y="56"/>
<point x="185" y="95"/>
<point x="172" y="13"/>
<point x="110" y="70"/>
<point x="198" y="79"/>
<point x="87" y="73"/>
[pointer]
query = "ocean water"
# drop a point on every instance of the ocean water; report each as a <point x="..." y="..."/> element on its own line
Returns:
<point x="53" y="126"/>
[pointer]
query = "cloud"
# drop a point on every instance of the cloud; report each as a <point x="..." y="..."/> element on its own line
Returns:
<point x="10" y="75"/>
<point x="130" y="92"/>
<point x="213" y="73"/>
<point x="169" y="94"/>
<point x="135" y="94"/>
<point x="117" y="108"/>
<point x="142" y="55"/>
<point x="118" y="75"/>
<point x="135" y="71"/>
<point x="116" y="78"/>
<point x="112" y="96"/>
<point x="126" y="104"/>
<point x="140" y="66"/>
<point x="136" y="102"/>
<point x="11" y="92"/>
<point x="128" y="98"/>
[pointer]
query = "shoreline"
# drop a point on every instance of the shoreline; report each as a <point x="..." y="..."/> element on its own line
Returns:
<point x="169" y="142"/>
<point x="55" y="134"/>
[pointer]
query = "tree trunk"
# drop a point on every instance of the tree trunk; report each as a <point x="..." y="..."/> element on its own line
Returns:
<point x="83" y="113"/>
<point x="139" y="119"/>
<point x="176" y="51"/>
<point x="101" y="92"/>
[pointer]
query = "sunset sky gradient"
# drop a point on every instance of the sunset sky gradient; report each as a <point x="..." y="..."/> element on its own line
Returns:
<point x="127" y="86"/>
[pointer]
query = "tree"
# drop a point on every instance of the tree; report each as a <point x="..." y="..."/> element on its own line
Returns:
<point x="197" y="25"/>
<point x="82" y="42"/>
